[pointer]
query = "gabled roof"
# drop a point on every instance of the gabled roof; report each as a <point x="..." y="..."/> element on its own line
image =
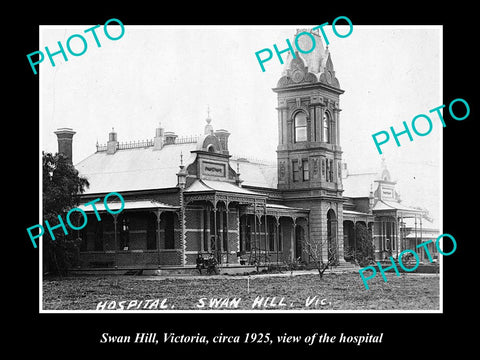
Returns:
<point x="129" y="205"/>
<point x="426" y="224"/>
<point x="135" y="169"/>
<point x="353" y="213"/>
<point x="256" y="174"/>
<point x="144" y="168"/>
<point x="359" y="185"/>
<point x="393" y="205"/>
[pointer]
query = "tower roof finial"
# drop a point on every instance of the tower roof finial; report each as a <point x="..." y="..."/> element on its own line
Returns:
<point x="384" y="162"/>
<point x="208" y="127"/>
<point x="208" y="119"/>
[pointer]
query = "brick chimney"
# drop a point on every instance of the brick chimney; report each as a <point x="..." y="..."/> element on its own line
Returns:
<point x="159" y="138"/>
<point x="170" y="137"/>
<point x="222" y="136"/>
<point x="65" y="140"/>
<point x="112" y="143"/>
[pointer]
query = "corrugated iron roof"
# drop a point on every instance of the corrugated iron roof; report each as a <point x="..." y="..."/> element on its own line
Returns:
<point x="392" y="205"/>
<point x="144" y="168"/>
<point x="284" y="207"/>
<point x="358" y="213"/>
<point x="148" y="169"/>
<point x="359" y="185"/>
<point x="426" y="224"/>
<point x="135" y="169"/>
<point x="222" y="186"/>
<point x="256" y="174"/>
<point x="422" y="235"/>
<point x="128" y="205"/>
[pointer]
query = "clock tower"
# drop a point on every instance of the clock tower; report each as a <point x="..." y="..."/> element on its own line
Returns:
<point x="309" y="153"/>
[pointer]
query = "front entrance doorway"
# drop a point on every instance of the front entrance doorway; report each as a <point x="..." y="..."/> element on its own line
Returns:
<point x="299" y="239"/>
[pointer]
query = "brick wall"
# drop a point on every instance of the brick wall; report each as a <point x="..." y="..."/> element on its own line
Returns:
<point x="196" y="234"/>
<point x="318" y="223"/>
<point x="142" y="228"/>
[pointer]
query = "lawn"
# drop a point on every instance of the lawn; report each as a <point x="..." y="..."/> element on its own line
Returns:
<point x="343" y="291"/>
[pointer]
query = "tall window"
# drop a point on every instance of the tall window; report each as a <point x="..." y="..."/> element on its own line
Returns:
<point x="248" y="235"/>
<point x="295" y="170"/>
<point x="98" y="242"/>
<point x="271" y="235"/>
<point x="213" y="230"/>
<point x="280" y="239"/>
<point x="300" y="122"/>
<point x="169" y="230"/>
<point x="326" y="127"/>
<point x="84" y="237"/>
<point x="330" y="170"/>
<point x="205" y="230"/>
<point x="327" y="175"/>
<point x="305" y="170"/>
<point x="151" y="232"/>
<point x="125" y="234"/>
<point x="225" y="231"/>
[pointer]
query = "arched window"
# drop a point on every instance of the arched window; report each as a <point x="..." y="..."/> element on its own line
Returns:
<point x="332" y="235"/>
<point x="326" y="127"/>
<point x="300" y="123"/>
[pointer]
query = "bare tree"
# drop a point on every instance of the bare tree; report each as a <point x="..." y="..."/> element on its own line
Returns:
<point x="313" y="248"/>
<point x="292" y="263"/>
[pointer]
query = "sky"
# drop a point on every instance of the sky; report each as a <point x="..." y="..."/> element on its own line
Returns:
<point x="172" y="74"/>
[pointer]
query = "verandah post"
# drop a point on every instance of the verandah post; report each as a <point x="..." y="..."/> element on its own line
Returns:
<point x="158" y="213"/>
<point x="226" y="226"/>
<point x="115" y="216"/>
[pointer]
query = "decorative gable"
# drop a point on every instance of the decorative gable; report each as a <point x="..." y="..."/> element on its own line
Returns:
<point x="297" y="73"/>
<point x="327" y="76"/>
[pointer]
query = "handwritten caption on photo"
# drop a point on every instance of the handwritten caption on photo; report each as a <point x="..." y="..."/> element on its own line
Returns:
<point x="259" y="302"/>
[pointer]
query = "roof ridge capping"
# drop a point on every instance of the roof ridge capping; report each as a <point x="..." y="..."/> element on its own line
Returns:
<point x="138" y="144"/>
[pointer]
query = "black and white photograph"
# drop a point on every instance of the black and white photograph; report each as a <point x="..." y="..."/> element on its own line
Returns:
<point x="219" y="184"/>
<point x="210" y="178"/>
